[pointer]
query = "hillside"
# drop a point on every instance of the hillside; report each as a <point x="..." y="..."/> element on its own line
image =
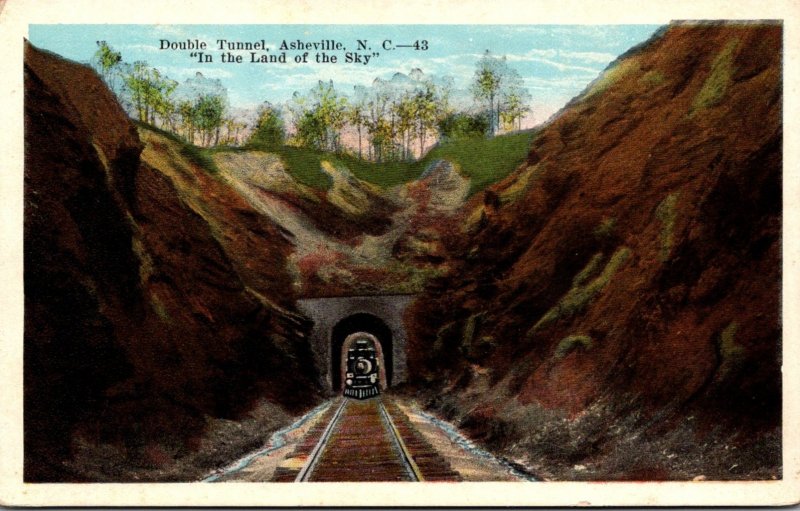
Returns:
<point x="615" y="313"/>
<point x="353" y="236"/>
<point x="484" y="160"/>
<point x="158" y="306"/>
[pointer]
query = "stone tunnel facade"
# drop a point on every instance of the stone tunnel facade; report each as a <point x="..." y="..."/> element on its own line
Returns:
<point x="336" y="317"/>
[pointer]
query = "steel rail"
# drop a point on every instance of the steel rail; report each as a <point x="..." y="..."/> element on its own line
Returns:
<point x="313" y="458"/>
<point x="411" y="466"/>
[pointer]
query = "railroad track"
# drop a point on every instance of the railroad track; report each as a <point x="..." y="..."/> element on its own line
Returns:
<point x="370" y="440"/>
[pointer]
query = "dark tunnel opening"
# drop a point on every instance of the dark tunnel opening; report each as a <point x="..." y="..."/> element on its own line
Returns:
<point x="361" y="322"/>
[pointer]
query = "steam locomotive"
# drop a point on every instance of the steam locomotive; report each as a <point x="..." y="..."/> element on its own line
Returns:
<point x="362" y="370"/>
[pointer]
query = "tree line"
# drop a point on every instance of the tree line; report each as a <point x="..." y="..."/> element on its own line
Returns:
<point x="196" y="110"/>
<point x="391" y="120"/>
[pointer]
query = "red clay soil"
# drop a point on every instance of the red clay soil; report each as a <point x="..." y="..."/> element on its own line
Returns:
<point x="146" y="312"/>
<point x="635" y="279"/>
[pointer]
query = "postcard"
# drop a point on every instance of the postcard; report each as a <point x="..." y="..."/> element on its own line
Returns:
<point x="398" y="254"/>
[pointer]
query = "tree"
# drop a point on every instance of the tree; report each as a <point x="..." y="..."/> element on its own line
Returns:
<point x="330" y="108"/>
<point x="232" y="129"/>
<point x="489" y="77"/>
<point x="502" y="88"/>
<point x="107" y="63"/>
<point x="379" y="130"/>
<point x="319" y="117"/>
<point x="202" y="104"/>
<point x="162" y="103"/>
<point x="514" y="101"/>
<point x="357" y="113"/>
<point x="210" y="113"/>
<point x="427" y="106"/>
<point x="269" y="130"/>
<point x="136" y="81"/>
<point x="404" y="113"/>
<point x="188" y="114"/>
<point x="150" y="93"/>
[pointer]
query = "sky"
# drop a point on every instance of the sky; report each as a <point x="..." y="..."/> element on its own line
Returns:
<point x="556" y="61"/>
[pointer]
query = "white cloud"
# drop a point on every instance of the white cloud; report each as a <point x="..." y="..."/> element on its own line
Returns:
<point x="560" y="83"/>
<point x="561" y="66"/>
<point x="181" y="73"/>
<point x="564" y="60"/>
<point x="588" y="56"/>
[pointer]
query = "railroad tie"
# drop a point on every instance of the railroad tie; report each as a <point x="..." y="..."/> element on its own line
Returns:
<point x="364" y="440"/>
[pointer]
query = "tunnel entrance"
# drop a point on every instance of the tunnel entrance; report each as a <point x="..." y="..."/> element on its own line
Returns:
<point x="361" y="322"/>
<point x="379" y="315"/>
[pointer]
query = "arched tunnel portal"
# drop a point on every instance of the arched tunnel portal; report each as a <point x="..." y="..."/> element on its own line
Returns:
<point x="360" y="322"/>
<point x="335" y="318"/>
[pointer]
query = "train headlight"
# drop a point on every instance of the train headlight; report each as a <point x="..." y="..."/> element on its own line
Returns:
<point x="373" y="378"/>
<point x="363" y="366"/>
<point x="349" y="381"/>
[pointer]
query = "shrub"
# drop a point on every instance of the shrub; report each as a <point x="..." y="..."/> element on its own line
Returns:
<point x="520" y="186"/>
<point x="730" y="351"/>
<point x="579" y="296"/>
<point x="159" y="307"/>
<point x="570" y="343"/>
<point x="588" y="270"/>
<point x="653" y="78"/>
<point x="612" y="74"/>
<point x="666" y="213"/>
<point x="605" y="229"/>
<point x="718" y="80"/>
<point x="462" y="125"/>
<point x="470" y="327"/>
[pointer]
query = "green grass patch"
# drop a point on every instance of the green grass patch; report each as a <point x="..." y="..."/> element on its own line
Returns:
<point x="305" y="166"/>
<point x="667" y="214"/>
<point x="199" y="156"/>
<point x="588" y="271"/>
<point x="520" y="186"/>
<point x="159" y="308"/>
<point x="472" y="324"/>
<point x="483" y="160"/>
<point x="472" y="347"/>
<point x="605" y="229"/>
<point x="718" y="80"/>
<point x="568" y="344"/>
<point x="653" y="78"/>
<point x="727" y="341"/>
<point x="577" y="298"/>
<point x="611" y="76"/>
<point x="731" y="352"/>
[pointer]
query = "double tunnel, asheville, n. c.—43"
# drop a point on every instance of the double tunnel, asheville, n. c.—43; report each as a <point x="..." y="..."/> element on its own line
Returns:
<point x="335" y="318"/>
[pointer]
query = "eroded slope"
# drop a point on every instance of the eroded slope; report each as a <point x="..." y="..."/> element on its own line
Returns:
<point x="156" y="299"/>
<point x="617" y="313"/>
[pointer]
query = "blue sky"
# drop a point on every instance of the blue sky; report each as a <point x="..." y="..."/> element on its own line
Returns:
<point x="555" y="61"/>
